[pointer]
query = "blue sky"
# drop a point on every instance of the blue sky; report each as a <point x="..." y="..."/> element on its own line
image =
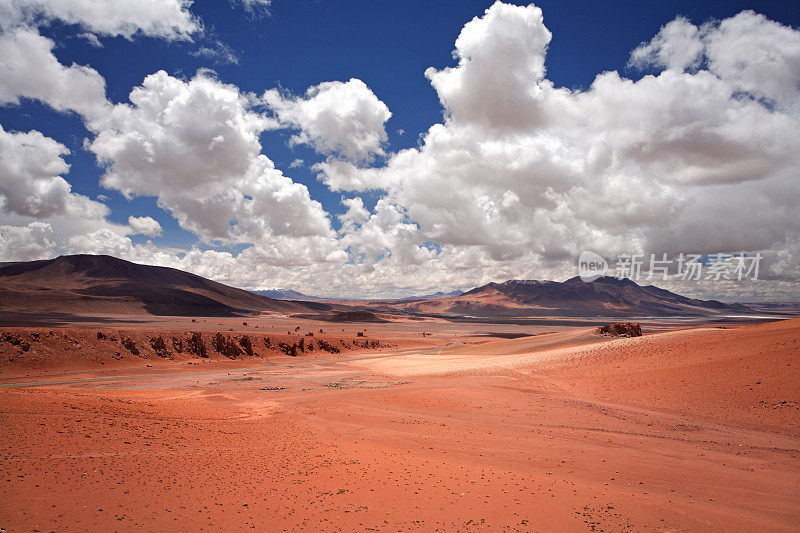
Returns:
<point x="388" y="46"/>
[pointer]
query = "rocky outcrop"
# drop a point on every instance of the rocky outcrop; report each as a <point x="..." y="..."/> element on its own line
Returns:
<point x="197" y="345"/>
<point x="328" y="347"/>
<point x="247" y="345"/>
<point x="288" y="349"/>
<point x="129" y="345"/>
<point x="226" y="346"/>
<point x="177" y="344"/>
<point x="620" y="329"/>
<point x="159" y="346"/>
<point x="171" y="345"/>
<point x="356" y="316"/>
<point x="15" y="340"/>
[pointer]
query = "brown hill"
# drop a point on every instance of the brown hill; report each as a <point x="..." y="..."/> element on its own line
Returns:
<point x="604" y="297"/>
<point x="86" y="284"/>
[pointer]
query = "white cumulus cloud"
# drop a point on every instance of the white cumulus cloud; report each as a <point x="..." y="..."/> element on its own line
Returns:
<point x="336" y="118"/>
<point x="145" y="226"/>
<point x="525" y="175"/>
<point x="499" y="80"/>
<point x="751" y="53"/>
<point x="31" y="185"/>
<point x="26" y="243"/>
<point x="28" y="69"/>
<point x="194" y="145"/>
<point x="165" y="19"/>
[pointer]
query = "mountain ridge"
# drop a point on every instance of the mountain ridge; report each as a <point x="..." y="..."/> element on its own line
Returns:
<point x="103" y="283"/>
<point x="606" y="296"/>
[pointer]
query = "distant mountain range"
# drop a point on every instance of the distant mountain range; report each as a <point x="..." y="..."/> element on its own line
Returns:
<point x="435" y="295"/>
<point x="574" y="297"/>
<point x="103" y="284"/>
<point x="289" y="294"/>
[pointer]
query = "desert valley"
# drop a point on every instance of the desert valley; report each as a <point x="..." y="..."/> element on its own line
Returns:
<point x="121" y="412"/>
<point x="451" y="266"/>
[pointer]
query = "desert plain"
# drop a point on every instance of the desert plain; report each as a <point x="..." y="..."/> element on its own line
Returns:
<point x="404" y="425"/>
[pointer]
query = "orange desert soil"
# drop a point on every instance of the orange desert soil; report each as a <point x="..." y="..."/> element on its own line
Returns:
<point x="695" y="429"/>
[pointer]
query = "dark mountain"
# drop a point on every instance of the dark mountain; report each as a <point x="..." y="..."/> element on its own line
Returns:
<point x="574" y="297"/>
<point x="103" y="284"/>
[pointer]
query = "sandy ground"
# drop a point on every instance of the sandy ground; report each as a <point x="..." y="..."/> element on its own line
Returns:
<point x="465" y="430"/>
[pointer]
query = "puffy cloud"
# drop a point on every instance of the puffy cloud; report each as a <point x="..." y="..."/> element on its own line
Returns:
<point x="103" y="242"/>
<point x="749" y="52"/>
<point x="26" y="243"/>
<point x="37" y="203"/>
<point x="336" y="118"/>
<point x="758" y="56"/>
<point x="518" y="178"/>
<point x="165" y="19"/>
<point x="524" y="175"/>
<point x="384" y="238"/>
<point x="355" y="215"/>
<point x="194" y="145"/>
<point x="28" y="69"/>
<point x="145" y="226"/>
<point x="677" y="46"/>
<point x="499" y="80"/>
<point x="783" y="260"/>
<point x="30" y="179"/>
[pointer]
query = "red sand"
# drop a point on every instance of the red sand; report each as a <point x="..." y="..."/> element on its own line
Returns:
<point x="685" y="430"/>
